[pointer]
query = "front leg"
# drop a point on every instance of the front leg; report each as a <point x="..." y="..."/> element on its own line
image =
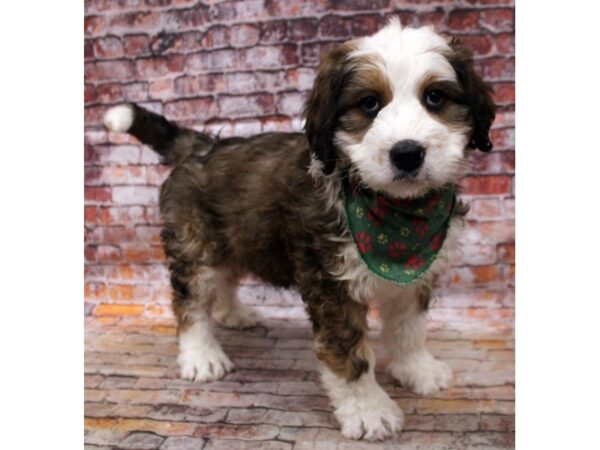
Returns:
<point x="404" y="333"/>
<point x="362" y="407"/>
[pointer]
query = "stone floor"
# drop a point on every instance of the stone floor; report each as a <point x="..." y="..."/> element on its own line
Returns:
<point x="134" y="399"/>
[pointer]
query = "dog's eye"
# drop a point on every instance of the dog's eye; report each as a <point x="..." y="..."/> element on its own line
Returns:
<point x="434" y="99"/>
<point x="370" y="105"/>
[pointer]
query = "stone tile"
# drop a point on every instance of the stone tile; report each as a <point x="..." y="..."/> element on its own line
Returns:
<point x="142" y="441"/>
<point x="182" y="443"/>
<point x="274" y="400"/>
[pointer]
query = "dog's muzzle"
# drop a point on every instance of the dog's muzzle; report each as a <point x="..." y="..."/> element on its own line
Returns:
<point x="407" y="155"/>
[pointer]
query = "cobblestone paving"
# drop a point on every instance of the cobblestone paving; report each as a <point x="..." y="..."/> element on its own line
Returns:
<point x="273" y="400"/>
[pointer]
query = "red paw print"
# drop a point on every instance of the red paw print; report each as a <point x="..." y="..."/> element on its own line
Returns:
<point x="363" y="242"/>
<point x="397" y="249"/>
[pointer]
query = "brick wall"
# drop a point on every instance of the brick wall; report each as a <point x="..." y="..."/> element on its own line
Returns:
<point x="242" y="67"/>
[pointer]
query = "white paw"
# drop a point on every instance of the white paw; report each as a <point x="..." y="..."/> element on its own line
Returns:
<point x="421" y="373"/>
<point x="378" y="419"/>
<point x="239" y="317"/>
<point x="204" y="365"/>
<point x="119" y="118"/>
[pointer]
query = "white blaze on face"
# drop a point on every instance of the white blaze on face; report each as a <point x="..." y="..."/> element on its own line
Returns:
<point x="408" y="58"/>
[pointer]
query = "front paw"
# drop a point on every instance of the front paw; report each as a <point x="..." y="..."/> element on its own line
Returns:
<point x="421" y="373"/>
<point x="204" y="365"/>
<point x="377" y="418"/>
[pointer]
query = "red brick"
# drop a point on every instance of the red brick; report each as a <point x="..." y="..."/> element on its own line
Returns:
<point x="162" y="89"/>
<point x="136" y="45"/>
<point x="509" y="208"/>
<point x="94" y="116"/>
<point x="504" y="93"/>
<point x="485" y="208"/>
<point x="367" y="24"/>
<point x="90" y="254"/>
<point x="109" y="70"/>
<point x="198" y="108"/>
<point x="464" y="20"/>
<point x="311" y="53"/>
<point x="108" y="47"/>
<point x="157" y="174"/>
<point x="134" y="92"/>
<point x="247" y="127"/>
<point x="201" y="84"/>
<point x="95" y="291"/>
<point x="135" y="195"/>
<point x="500" y="231"/>
<point x="109" y="93"/>
<point x="105" y="309"/>
<point x="336" y="27"/>
<point x="503" y="138"/>
<point x="494" y="162"/>
<point x="88" y="49"/>
<point x="505" y="43"/>
<point x="486" y="274"/>
<point x="436" y="18"/>
<point x="217" y="60"/>
<point x="303" y="29"/>
<point x="94" y="25"/>
<point x="159" y="66"/>
<point x="97" y="194"/>
<point x="148" y="234"/>
<point x="217" y="36"/>
<point x="90" y="215"/>
<point x="276" y="123"/>
<point x="492" y="69"/>
<point x="486" y="185"/>
<point x="506" y="253"/>
<point x="244" y="35"/>
<point x="118" y="234"/>
<point x="168" y="43"/>
<point x="108" y="253"/>
<point x="157" y="253"/>
<point x="481" y="44"/>
<point x="498" y="19"/>
<point x="246" y="106"/>
<point x="89" y="94"/>
<point x="273" y="31"/>
<point x="268" y="57"/>
<point x="135" y="253"/>
<point x="141" y="20"/>
<point x="290" y="103"/>
<point x="184" y="19"/>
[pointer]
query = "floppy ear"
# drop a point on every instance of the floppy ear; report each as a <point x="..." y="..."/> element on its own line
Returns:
<point x="477" y="96"/>
<point x="322" y="110"/>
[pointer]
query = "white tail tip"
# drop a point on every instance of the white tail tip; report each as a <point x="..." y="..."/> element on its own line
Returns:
<point x="119" y="118"/>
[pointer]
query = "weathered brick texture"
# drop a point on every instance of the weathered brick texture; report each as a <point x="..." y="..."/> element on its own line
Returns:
<point x="242" y="67"/>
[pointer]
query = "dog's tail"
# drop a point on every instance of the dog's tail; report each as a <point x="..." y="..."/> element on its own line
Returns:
<point x="170" y="141"/>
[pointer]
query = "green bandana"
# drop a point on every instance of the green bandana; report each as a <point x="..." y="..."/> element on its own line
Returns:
<point x="398" y="239"/>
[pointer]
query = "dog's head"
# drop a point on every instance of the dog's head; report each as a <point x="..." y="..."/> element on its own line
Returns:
<point x="398" y="109"/>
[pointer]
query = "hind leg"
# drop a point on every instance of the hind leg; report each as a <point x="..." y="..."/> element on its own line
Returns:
<point x="201" y="357"/>
<point x="227" y="309"/>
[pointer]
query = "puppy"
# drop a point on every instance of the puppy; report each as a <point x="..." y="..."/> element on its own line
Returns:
<point x="361" y="206"/>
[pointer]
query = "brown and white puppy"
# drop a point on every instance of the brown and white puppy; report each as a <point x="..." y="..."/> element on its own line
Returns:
<point x="270" y="205"/>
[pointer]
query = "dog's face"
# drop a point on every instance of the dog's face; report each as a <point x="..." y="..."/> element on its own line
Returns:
<point x="398" y="109"/>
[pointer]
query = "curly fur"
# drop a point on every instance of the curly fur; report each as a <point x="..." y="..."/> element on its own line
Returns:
<point x="270" y="205"/>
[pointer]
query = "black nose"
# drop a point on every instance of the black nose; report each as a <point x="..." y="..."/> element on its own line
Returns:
<point x="407" y="155"/>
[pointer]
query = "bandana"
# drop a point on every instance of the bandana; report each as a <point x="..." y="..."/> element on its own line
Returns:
<point x="398" y="239"/>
